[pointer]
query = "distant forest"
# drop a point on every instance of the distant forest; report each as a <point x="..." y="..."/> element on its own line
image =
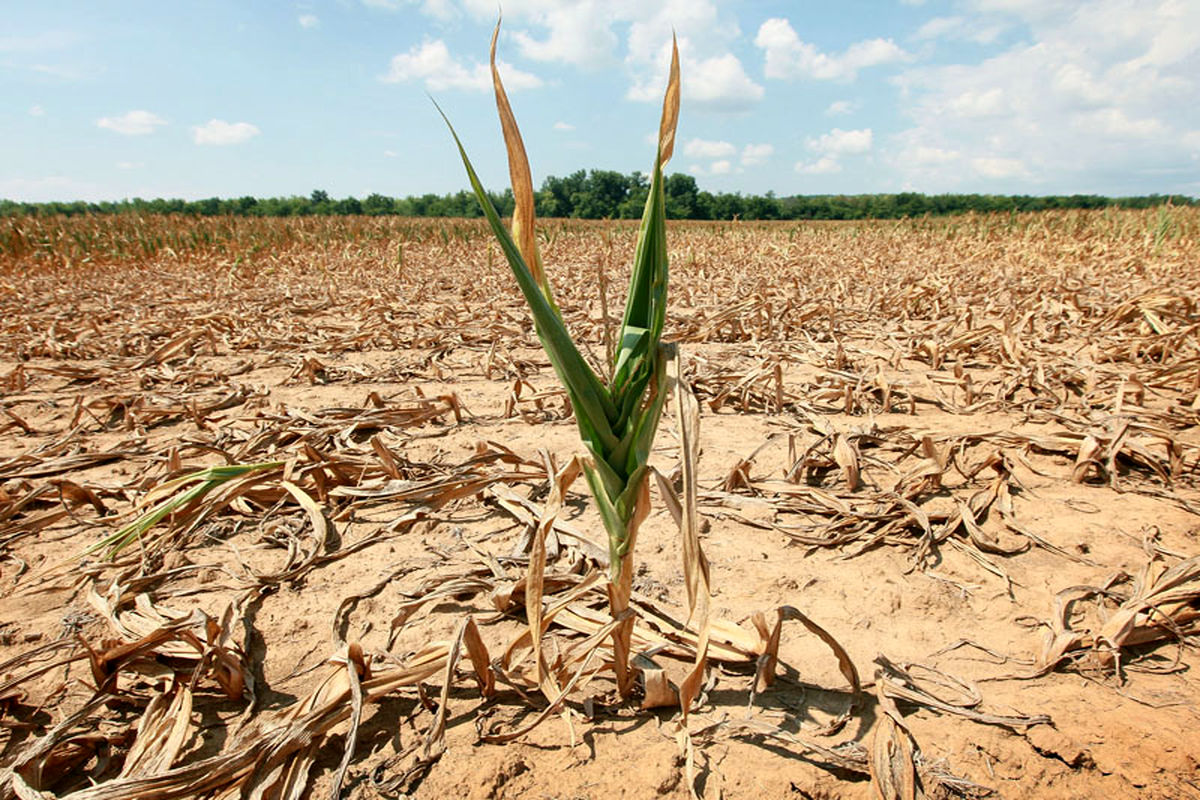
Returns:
<point x="599" y="194"/>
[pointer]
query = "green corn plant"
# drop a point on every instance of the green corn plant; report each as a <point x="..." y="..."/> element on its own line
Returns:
<point x="618" y="417"/>
<point x="202" y="482"/>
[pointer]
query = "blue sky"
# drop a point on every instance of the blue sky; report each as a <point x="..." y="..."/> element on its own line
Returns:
<point x="220" y="98"/>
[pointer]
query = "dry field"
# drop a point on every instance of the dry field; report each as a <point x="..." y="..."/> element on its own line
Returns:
<point x="948" y="484"/>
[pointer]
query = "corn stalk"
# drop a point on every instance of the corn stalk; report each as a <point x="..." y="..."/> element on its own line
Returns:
<point x="617" y="418"/>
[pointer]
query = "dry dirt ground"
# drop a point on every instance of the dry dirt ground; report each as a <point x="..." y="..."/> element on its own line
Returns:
<point x="965" y="449"/>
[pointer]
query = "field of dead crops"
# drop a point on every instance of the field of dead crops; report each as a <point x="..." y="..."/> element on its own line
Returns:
<point x="271" y="493"/>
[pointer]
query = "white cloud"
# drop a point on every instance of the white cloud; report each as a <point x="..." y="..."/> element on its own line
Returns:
<point x="839" y="108"/>
<point x="788" y="57"/>
<point x="755" y="154"/>
<point x="721" y="156"/>
<point x="1115" y="123"/>
<point x="960" y="29"/>
<point x="578" y="33"/>
<point x="842" y="143"/>
<point x="939" y="26"/>
<point x="390" y="153"/>
<point x="999" y="167"/>
<point x="563" y="126"/>
<point x="1096" y="96"/>
<point x="132" y="123"/>
<point x="924" y="155"/>
<point x="130" y="164"/>
<point x="721" y="83"/>
<point x="714" y="84"/>
<point x="702" y="31"/>
<point x="832" y="147"/>
<point x="37" y="111"/>
<point x="432" y="63"/>
<point x="721" y="166"/>
<point x="978" y="103"/>
<point x="1078" y="86"/>
<point x="220" y="132"/>
<point x="822" y="166"/>
<point x="595" y="34"/>
<point x="309" y="21"/>
<point x="704" y="148"/>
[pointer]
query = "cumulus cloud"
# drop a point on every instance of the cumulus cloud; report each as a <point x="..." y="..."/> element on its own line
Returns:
<point x="755" y="154"/>
<point x="788" y="57"/>
<point x="940" y="26"/>
<point x="594" y="34"/>
<point x="959" y="29"/>
<point x="219" y="132"/>
<point x="842" y="143"/>
<point x="979" y="103"/>
<point x="705" y="148"/>
<point x="826" y="165"/>
<point x="999" y="167"/>
<point x="832" y="147"/>
<point x="721" y="166"/>
<point x="923" y="155"/>
<point x="721" y="83"/>
<point x="132" y="123"/>
<point x="1116" y="123"/>
<point x="576" y="33"/>
<point x="724" y="157"/>
<point x="1091" y="89"/>
<point x="309" y="21"/>
<point x="839" y="108"/>
<point x="717" y="84"/>
<point x="431" y="63"/>
<point x="563" y="126"/>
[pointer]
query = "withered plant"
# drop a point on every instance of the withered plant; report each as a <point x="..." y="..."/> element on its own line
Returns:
<point x="617" y="416"/>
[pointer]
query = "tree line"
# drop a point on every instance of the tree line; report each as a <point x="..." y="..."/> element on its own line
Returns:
<point x="600" y="194"/>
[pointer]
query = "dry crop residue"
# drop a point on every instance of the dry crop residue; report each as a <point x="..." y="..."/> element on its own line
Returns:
<point x="965" y="449"/>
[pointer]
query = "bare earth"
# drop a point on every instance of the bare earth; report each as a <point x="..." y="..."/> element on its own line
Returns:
<point x="965" y="449"/>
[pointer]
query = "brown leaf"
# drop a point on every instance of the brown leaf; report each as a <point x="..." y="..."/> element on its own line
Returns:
<point x="670" y="112"/>
<point x="522" y="180"/>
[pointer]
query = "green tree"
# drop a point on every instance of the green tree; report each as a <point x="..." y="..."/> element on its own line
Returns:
<point x="377" y="205"/>
<point x="602" y="195"/>
<point x="682" y="196"/>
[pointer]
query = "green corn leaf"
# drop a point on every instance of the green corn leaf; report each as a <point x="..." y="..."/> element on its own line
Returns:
<point x="207" y="480"/>
<point x="617" y="421"/>
<point x="588" y="395"/>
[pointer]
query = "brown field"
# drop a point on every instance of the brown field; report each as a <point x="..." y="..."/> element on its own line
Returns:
<point x="965" y="450"/>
